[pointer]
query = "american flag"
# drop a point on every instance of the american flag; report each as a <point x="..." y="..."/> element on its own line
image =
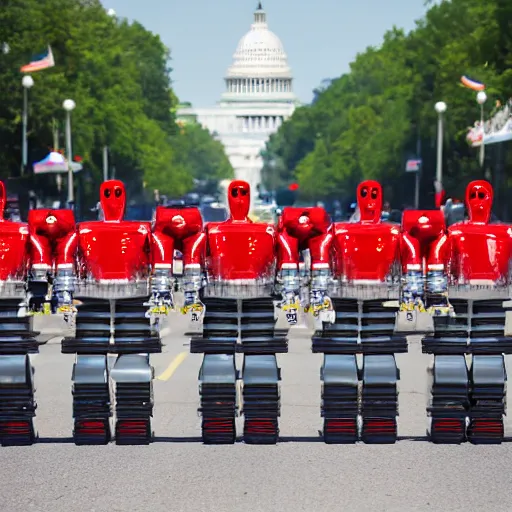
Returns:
<point x="43" y="61"/>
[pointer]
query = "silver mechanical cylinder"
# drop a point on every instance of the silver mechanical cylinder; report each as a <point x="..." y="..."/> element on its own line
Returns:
<point x="437" y="282"/>
<point x="162" y="281"/>
<point x="290" y="280"/>
<point x="413" y="284"/>
<point x="65" y="280"/>
<point x="320" y="279"/>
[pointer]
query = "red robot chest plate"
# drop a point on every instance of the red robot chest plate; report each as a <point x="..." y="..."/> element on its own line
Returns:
<point x="13" y="250"/>
<point x="240" y="251"/>
<point x="365" y="251"/>
<point x="115" y="250"/>
<point x="481" y="252"/>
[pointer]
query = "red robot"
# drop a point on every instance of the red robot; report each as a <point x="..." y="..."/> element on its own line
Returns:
<point x="475" y="256"/>
<point x="368" y="260"/>
<point x="243" y="264"/>
<point x="53" y="243"/>
<point x="429" y="229"/>
<point x="17" y="403"/>
<point x="112" y="290"/>
<point x="176" y="229"/>
<point x="307" y="230"/>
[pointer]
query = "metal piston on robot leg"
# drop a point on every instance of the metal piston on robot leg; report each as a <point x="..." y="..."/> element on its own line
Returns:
<point x="365" y="327"/>
<point x="469" y="404"/>
<point x="116" y="326"/>
<point x="17" y="403"/>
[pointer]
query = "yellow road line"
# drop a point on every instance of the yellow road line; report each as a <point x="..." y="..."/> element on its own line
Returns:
<point x="173" y="366"/>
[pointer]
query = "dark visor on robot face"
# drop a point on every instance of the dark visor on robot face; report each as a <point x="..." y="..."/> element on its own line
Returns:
<point x="235" y="191"/>
<point x="474" y="194"/>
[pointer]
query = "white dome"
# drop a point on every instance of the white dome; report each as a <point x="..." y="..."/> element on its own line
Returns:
<point x="260" y="52"/>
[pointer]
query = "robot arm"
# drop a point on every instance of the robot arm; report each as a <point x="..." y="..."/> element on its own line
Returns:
<point x="65" y="268"/>
<point x="194" y="248"/>
<point x="162" y="255"/>
<point x="320" y="248"/>
<point x="412" y="270"/>
<point x="287" y="248"/>
<point x="438" y="259"/>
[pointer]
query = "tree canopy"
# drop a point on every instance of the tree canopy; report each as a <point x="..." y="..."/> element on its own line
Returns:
<point x="118" y="74"/>
<point x="368" y="122"/>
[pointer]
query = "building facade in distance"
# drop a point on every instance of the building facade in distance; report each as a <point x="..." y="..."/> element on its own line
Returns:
<point x="258" y="98"/>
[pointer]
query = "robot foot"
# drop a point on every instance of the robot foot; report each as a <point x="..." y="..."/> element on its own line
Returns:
<point x="448" y="430"/>
<point x="340" y="430"/>
<point x="133" y="431"/>
<point x="379" y="430"/>
<point x="218" y="407"/>
<point x="17" y="432"/>
<point x="91" y="431"/>
<point x="261" y="430"/>
<point x="486" y="430"/>
<point x="218" y="430"/>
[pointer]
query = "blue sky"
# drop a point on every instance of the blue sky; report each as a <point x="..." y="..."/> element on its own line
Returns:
<point x="321" y="37"/>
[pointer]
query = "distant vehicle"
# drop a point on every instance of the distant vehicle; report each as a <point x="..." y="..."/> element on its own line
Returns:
<point x="214" y="212"/>
<point x="143" y="212"/>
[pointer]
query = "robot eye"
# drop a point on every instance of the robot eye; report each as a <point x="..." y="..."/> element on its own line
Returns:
<point x="118" y="192"/>
<point x="481" y="195"/>
<point x="234" y="192"/>
<point x="472" y="195"/>
<point x="107" y="193"/>
<point x="375" y="193"/>
<point x="243" y="191"/>
<point x="364" y="192"/>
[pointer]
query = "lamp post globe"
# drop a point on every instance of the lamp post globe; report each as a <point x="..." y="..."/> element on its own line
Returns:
<point x="27" y="81"/>
<point x="440" y="107"/>
<point x="69" y="105"/>
<point x="481" y="98"/>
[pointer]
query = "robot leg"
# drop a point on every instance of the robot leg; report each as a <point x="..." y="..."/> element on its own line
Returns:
<point x="340" y="396"/>
<point x="91" y="400"/>
<point x="133" y="376"/>
<point x="218" y="390"/>
<point x="261" y="400"/>
<point x="17" y="403"/>
<point x="449" y="400"/>
<point x="379" y="408"/>
<point x="487" y="398"/>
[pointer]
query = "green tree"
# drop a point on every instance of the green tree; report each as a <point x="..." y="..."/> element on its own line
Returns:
<point x="366" y="123"/>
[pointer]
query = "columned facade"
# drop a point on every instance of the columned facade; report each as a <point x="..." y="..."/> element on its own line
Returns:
<point x="258" y="98"/>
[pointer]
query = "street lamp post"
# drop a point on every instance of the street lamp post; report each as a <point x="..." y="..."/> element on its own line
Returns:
<point x="69" y="105"/>
<point x="481" y="98"/>
<point x="440" y="107"/>
<point x="27" y="82"/>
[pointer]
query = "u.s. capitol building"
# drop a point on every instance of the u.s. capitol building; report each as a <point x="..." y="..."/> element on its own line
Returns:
<point x="258" y="98"/>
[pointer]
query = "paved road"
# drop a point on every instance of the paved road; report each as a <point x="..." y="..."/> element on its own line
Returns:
<point x="179" y="474"/>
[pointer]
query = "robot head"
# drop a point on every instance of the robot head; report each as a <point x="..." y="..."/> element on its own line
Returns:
<point x="479" y="196"/>
<point x="239" y="198"/>
<point x="369" y="201"/>
<point x="3" y="199"/>
<point x="113" y="200"/>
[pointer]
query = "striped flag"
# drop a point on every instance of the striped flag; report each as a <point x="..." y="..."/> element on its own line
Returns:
<point x="472" y="84"/>
<point x="43" y="61"/>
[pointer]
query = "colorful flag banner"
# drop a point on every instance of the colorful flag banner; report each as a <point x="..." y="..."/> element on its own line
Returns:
<point x="472" y="84"/>
<point x="43" y="61"/>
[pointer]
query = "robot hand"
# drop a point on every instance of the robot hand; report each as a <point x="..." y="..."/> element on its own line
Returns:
<point x="321" y="306"/>
<point x="437" y="292"/>
<point x="413" y="292"/>
<point x="290" y="305"/>
<point x="194" y="306"/>
<point x="289" y="288"/>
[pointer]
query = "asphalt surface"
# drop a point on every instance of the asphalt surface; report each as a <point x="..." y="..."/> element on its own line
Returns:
<point x="177" y="473"/>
